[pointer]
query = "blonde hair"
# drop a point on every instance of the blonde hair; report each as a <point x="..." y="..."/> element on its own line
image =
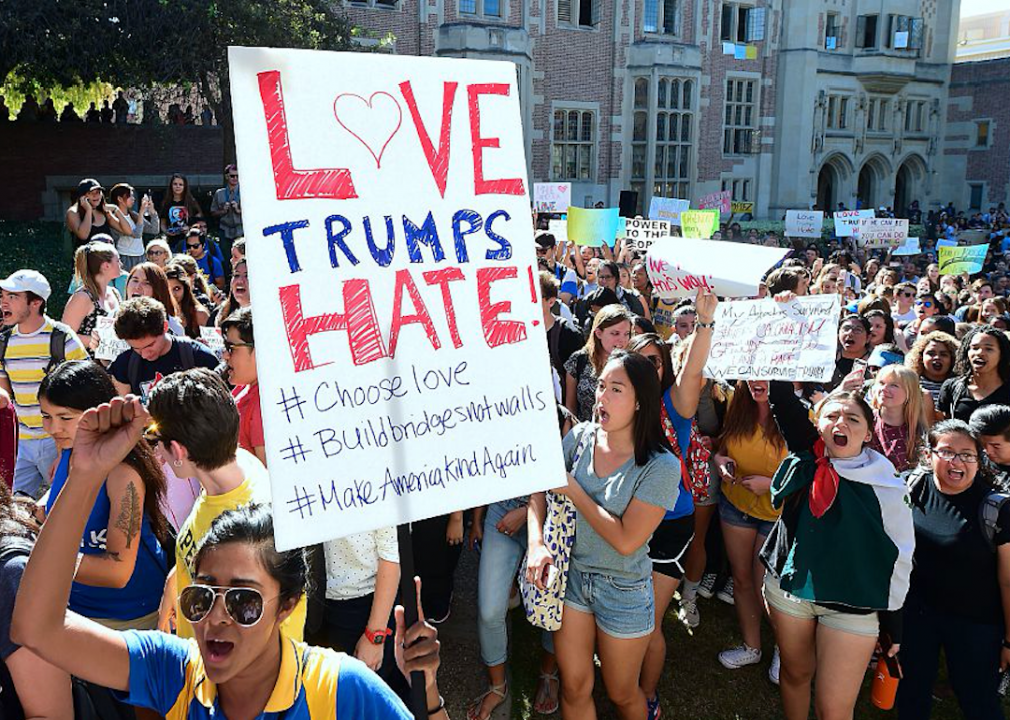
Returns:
<point x="88" y="261"/>
<point x="914" y="413"/>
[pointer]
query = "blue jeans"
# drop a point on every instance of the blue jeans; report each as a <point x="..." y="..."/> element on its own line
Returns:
<point x="33" y="466"/>
<point x="624" y="609"/>
<point x="500" y="556"/>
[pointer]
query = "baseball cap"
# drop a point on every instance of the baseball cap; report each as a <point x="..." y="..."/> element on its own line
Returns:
<point x="545" y="239"/>
<point x="28" y="281"/>
<point x="87" y="185"/>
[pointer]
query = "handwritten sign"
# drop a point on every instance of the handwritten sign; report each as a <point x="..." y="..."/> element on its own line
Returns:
<point x="668" y="209"/>
<point x="699" y="223"/>
<point x="957" y="260"/>
<point x="721" y="201"/>
<point x="212" y="338"/>
<point x="911" y="247"/>
<point x="804" y="223"/>
<point x="559" y="229"/>
<point x="677" y="267"/>
<point x="109" y="344"/>
<point x="640" y="234"/>
<point x="593" y="227"/>
<point x="403" y="366"/>
<point x="847" y="221"/>
<point x="741" y="208"/>
<point x="552" y="197"/>
<point x="882" y="232"/>
<point x="766" y="340"/>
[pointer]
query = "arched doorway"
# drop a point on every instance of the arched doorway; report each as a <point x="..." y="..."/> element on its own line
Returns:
<point x="827" y="188"/>
<point x="908" y="183"/>
<point x="834" y="183"/>
<point x="872" y="186"/>
<point x="866" y="187"/>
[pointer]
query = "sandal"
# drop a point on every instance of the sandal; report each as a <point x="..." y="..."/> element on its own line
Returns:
<point x="473" y="711"/>
<point x="544" y="691"/>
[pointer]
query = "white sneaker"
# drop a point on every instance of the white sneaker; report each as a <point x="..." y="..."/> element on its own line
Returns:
<point x="775" y="667"/>
<point x="707" y="587"/>
<point x="689" y="613"/>
<point x="739" y="657"/>
<point x="726" y="594"/>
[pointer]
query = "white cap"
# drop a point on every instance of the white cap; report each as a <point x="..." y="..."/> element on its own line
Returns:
<point x="28" y="281"/>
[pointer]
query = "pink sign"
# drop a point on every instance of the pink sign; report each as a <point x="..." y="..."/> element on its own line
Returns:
<point x="721" y="200"/>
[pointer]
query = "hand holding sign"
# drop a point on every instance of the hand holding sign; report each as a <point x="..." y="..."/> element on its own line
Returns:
<point x="678" y="267"/>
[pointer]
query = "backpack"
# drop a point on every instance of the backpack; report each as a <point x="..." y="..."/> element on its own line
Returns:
<point x="988" y="511"/>
<point x="57" y="344"/>
<point x="186" y="357"/>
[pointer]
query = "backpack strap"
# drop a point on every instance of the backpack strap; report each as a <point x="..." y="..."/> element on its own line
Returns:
<point x="57" y="345"/>
<point x="5" y="338"/>
<point x="580" y="366"/>
<point x="133" y="371"/>
<point x="186" y="355"/>
<point x="988" y="514"/>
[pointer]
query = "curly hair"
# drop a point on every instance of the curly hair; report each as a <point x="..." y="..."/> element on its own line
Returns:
<point x="913" y="361"/>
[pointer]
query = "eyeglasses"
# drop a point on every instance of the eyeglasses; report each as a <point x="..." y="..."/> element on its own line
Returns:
<point x="191" y="246"/>
<point x="232" y="175"/>
<point x="157" y="252"/>
<point x="243" y="605"/>
<point x="924" y="303"/>
<point x="541" y="250"/>
<point x="906" y="294"/>
<point x="229" y="346"/>
<point x="948" y="455"/>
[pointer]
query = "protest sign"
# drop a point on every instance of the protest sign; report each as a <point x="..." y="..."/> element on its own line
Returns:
<point x="109" y="345"/>
<point x="741" y="208"/>
<point x="559" y="229"/>
<point x="767" y="340"/>
<point x="668" y="209"/>
<point x="212" y="338"/>
<point x="945" y="242"/>
<point x="593" y="227"/>
<point x="882" y="232"/>
<point x="552" y="197"/>
<point x="957" y="260"/>
<point x="721" y="201"/>
<point x="804" y="223"/>
<point x="404" y="370"/>
<point x="911" y="247"/>
<point x="847" y="221"/>
<point x="699" y="223"/>
<point x="640" y="234"/>
<point x="677" y="267"/>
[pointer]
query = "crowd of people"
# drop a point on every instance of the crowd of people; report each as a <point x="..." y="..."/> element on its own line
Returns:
<point x="120" y="111"/>
<point x="861" y="517"/>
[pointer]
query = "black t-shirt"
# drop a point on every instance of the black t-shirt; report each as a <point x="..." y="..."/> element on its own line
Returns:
<point x="563" y="340"/>
<point x="151" y="371"/>
<point x="956" y="401"/>
<point x="954" y="569"/>
<point x="11" y="569"/>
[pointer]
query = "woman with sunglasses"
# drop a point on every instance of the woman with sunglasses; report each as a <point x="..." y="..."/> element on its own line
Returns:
<point x="926" y="306"/>
<point x="158" y="252"/>
<point x="240" y="664"/>
<point x="959" y="595"/>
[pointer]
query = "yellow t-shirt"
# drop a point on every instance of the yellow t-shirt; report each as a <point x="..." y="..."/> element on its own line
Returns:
<point x="754" y="455"/>
<point x="255" y="488"/>
<point x="662" y="317"/>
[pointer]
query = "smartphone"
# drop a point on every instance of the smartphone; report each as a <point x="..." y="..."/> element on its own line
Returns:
<point x="552" y="576"/>
<point x="731" y="467"/>
<point x="860" y="364"/>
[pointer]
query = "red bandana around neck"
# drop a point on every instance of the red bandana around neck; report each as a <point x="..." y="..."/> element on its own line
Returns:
<point x="825" y="486"/>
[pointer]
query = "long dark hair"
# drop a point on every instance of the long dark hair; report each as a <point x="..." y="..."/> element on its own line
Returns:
<point x="640" y="342"/>
<point x="648" y="425"/>
<point x="82" y="385"/>
<point x="742" y="418"/>
<point x="15" y="518"/>
<point x="158" y="281"/>
<point x="963" y="367"/>
<point x="192" y="206"/>
<point x="189" y="306"/>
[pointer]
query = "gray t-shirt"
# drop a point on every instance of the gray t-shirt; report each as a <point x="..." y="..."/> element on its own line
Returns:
<point x="656" y="483"/>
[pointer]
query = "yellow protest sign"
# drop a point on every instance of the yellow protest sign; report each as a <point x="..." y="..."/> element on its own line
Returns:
<point x="699" y="224"/>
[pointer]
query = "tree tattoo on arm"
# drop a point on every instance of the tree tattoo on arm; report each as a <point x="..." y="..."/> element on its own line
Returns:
<point x="130" y="513"/>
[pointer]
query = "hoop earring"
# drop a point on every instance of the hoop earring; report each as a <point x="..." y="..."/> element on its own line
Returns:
<point x="177" y="463"/>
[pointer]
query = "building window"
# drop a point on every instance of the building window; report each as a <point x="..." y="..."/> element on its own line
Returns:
<point x="386" y="4"/>
<point x="674" y="128"/>
<point x="832" y="31"/>
<point x="975" y="200"/>
<point x="740" y="119"/>
<point x="915" y="116"/>
<point x="742" y="23"/>
<point x="866" y="31"/>
<point x="838" y="112"/>
<point x="981" y="133"/>
<point x="581" y="13"/>
<point x="903" y="33"/>
<point x="740" y="190"/>
<point x="483" y="8"/>
<point x="661" y="16"/>
<point x="876" y="115"/>
<point x="574" y="143"/>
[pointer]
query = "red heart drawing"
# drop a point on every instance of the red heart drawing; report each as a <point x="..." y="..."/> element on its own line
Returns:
<point x="372" y="122"/>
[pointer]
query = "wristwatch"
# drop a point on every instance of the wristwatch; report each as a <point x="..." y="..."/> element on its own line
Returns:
<point x="709" y="324"/>
<point x="377" y="637"/>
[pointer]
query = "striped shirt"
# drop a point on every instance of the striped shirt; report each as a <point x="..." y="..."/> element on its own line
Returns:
<point x="24" y="365"/>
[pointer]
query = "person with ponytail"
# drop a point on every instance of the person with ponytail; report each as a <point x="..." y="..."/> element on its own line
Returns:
<point x="96" y="265"/>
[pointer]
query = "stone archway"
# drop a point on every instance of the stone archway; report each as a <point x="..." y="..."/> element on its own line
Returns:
<point x="908" y="183"/>
<point x="833" y="183"/>
<point x="872" y="186"/>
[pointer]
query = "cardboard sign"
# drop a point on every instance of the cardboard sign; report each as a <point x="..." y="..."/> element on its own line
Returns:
<point x="945" y="242"/>
<point x="804" y="223"/>
<point x="213" y="339"/>
<point x="552" y="197"/>
<point x="677" y="267"/>
<point x="593" y="227"/>
<point x="722" y="201"/>
<point x="668" y="209"/>
<point x="882" y="232"/>
<point x="404" y="370"/>
<point x="109" y="344"/>
<point x="741" y="208"/>
<point x="699" y="223"/>
<point x="766" y="340"/>
<point x="640" y="234"/>
<point x="847" y="221"/>
<point x="911" y="247"/>
<point x="957" y="260"/>
<point x="559" y="229"/>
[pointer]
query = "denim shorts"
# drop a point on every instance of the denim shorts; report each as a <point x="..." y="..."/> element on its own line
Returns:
<point x="730" y="515"/>
<point x="624" y="609"/>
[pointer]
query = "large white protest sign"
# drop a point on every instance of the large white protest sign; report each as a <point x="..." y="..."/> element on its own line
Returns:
<point x="677" y="267"/>
<point x="559" y="229"/>
<point x="552" y="197"/>
<point x="767" y="340"/>
<point x="882" y="232"/>
<point x="911" y="247"/>
<point x="847" y="221"/>
<point x="640" y="234"/>
<point x="403" y="365"/>
<point x="109" y="344"/>
<point x="804" y="223"/>
<point x="668" y="209"/>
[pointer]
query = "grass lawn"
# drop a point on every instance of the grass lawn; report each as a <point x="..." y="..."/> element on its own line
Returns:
<point x="42" y="246"/>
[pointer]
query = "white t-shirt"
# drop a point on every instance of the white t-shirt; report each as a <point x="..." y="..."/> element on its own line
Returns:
<point x="352" y="562"/>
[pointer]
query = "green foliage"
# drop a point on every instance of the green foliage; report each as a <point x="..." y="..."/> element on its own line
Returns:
<point x="42" y="246"/>
<point x="80" y="94"/>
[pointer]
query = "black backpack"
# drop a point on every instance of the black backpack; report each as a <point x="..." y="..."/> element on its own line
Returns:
<point x="186" y="357"/>
<point x="57" y="344"/>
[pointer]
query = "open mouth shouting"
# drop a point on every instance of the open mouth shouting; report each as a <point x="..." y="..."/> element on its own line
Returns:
<point x="218" y="651"/>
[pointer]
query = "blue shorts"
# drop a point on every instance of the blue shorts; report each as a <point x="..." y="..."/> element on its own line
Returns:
<point x="730" y="515"/>
<point x="624" y="609"/>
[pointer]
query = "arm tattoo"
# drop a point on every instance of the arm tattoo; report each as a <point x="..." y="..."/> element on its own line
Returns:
<point x="130" y="514"/>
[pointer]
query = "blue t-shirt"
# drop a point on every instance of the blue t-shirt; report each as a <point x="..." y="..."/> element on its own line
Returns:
<point x="142" y="593"/>
<point x="210" y="266"/>
<point x="685" y="501"/>
<point x="166" y="671"/>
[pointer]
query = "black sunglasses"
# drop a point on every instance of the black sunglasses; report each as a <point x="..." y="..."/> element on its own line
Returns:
<point x="243" y="605"/>
<point x="191" y="245"/>
<point x="230" y="346"/>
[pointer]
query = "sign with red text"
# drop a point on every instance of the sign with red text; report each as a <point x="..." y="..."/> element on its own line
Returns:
<point x="767" y="340"/>
<point x="677" y="267"/>
<point x="552" y="197"/>
<point x="721" y="201"/>
<point x="882" y="232"/>
<point x="847" y="221"/>
<point x="403" y="367"/>
<point x="804" y="223"/>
